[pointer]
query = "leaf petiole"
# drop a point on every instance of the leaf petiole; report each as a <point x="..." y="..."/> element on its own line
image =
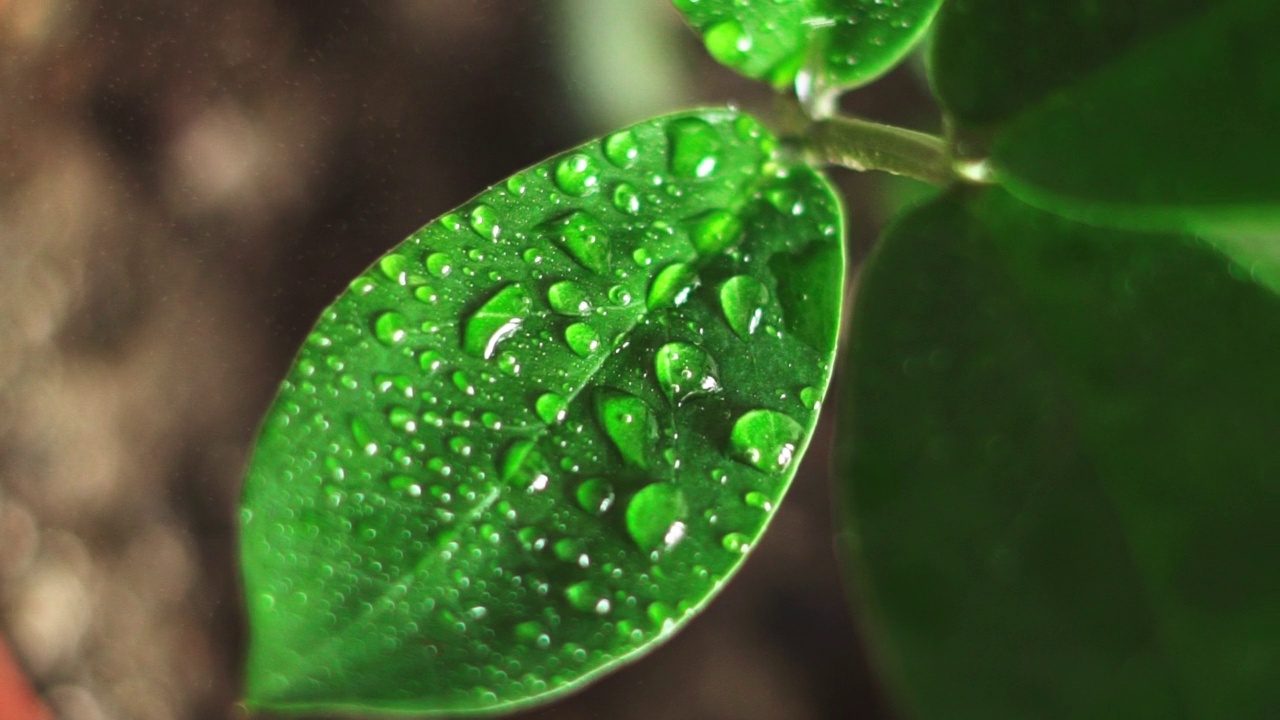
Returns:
<point x="865" y="145"/>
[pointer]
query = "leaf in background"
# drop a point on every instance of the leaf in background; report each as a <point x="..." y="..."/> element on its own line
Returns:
<point x="1061" y="467"/>
<point x="1139" y="114"/>
<point x="846" y="42"/>
<point x="536" y="437"/>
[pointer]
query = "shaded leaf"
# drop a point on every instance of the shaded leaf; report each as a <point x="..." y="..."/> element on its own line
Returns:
<point x="842" y="42"/>
<point x="1061" y="469"/>
<point x="504" y="460"/>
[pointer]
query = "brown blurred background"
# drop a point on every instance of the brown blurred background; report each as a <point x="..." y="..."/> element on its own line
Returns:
<point x="183" y="187"/>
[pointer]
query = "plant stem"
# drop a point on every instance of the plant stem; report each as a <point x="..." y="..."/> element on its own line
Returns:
<point x="864" y="145"/>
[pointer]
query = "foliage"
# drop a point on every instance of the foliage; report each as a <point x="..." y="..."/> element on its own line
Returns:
<point x="537" y="437"/>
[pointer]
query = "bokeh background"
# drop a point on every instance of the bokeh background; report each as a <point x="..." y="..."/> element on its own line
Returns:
<point x="184" y="186"/>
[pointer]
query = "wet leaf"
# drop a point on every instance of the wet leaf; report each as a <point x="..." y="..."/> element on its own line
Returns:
<point x="1060" y="467"/>
<point x="841" y="42"/>
<point x="509" y="456"/>
<point x="1139" y="114"/>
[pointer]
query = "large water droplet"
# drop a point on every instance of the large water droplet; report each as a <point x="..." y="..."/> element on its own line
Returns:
<point x="672" y="286"/>
<point x="391" y="328"/>
<point x="728" y="42"/>
<point x="524" y="464"/>
<point x="577" y="175"/>
<point x="715" y="231"/>
<point x="484" y="220"/>
<point x="765" y="440"/>
<point x="595" y="496"/>
<point x="622" y="149"/>
<point x="395" y="267"/>
<point x="569" y="298"/>
<point x="584" y="238"/>
<point x="654" y="514"/>
<point x="629" y="423"/>
<point x="552" y="408"/>
<point x="695" y="147"/>
<point x="439" y="264"/>
<point x="588" y="597"/>
<point x="495" y="321"/>
<point x="626" y="198"/>
<point x="685" y="370"/>
<point x="743" y="298"/>
<point x="583" y="339"/>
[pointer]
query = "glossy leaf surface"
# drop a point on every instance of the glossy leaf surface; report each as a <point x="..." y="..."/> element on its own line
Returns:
<point x="1141" y="114"/>
<point x="537" y="436"/>
<point x="842" y="42"/>
<point x="1062" y="485"/>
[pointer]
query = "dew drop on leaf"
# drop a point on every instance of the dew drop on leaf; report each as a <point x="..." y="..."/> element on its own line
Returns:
<point x="587" y="596"/>
<point x="584" y="238"/>
<point x="495" y="321"/>
<point x="439" y="264"/>
<point x="742" y="298"/>
<point x="484" y="221"/>
<point x="685" y="370"/>
<point x="765" y="440"/>
<point x="551" y="408"/>
<point x="629" y="423"/>
<point x="715" y="231"/>
<point x="395" y="267"/>
<point x="595" y="496"/>
<point x="728" y="42"/>
<point x="695" y="147"/>
<point x="577" y="175"/>
<point x="672" y="286"/>
<point x="626" y="199"/>
<point x="391" y="328"/>
<point x="736" y="542"/>
<point x="622" y="149"/>
<point x="653" y="514"/>
<point x="569" y="298"/>
<point x="582" y="339"/>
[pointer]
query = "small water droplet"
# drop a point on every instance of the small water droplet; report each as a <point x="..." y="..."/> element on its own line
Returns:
<point x="685" y="370"/>
<point x="811" y="398"/>
<point x="629" y="423"/>
<point x="463" y="383"/>
<point x="595" y="496"/>
<point x="569" y="298"/>
<point x="619" y="295"/>
<point x="728" y="42"/>
<point x="430" y="360"/>
<point x="588" y="597"/>
<point x="765" y="440"/>
<point x="484" y="221"/>
<point x="672" y="286"/>
<point x="584" y="238"/>
<point x="626" y="199"/>
<point x="736" y="543"/>
<point x="439" y="264"/>
<point x="495" y="321"/>
<point x="715" y="231"/>
<point x="426" y="294"/>
<point x="577" y="175"/>
<point x="518" y="184"/>
<point x="653" y="513"/>
<point x="622" y="149"/>
<point x="406" y="485"/>
<point x="552" y="408"/>
<point x="758" y="500"/>
<point x="582" y="339"/>
<point x="391" y="328"/>
<point x="695" y="147"/>
<point x="524" y="464"/>
<point x="743" y="298"/>
<point x="395" y="267"/>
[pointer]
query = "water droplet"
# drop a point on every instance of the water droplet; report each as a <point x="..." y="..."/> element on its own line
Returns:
<point x="426" y="294"/>
<point x="653" y="513"/>
<point x="758" y="500"/>
<point x="622" y="149"/>
<point x="495" y="321"/>
<point x="685" y="370"/>
<point x="672" y="286"/>
<point x="363" y="437"/>
<point x="588" y="597"/>
<point x="405" y="484"/>
<point x="715" y="231"/>
<point x="518" y="184"/>
<point x="395" y="267"/>
<point x="391" y="328"/>
<point x="629" y="423"/>
<point x="728" y="42"/>
<point x="626" y="199"/>
<point x="484" y="220"/>
<point x="584" y="238"/>
<point x="524" y="464"/>
<point x="811" y="398"/>
<point x="583" y="339"/>
<point x="403" y="419"/>
<point x="463" y="383"/>
<point x="461" y="446"/>
<point x="743" y="299"/>
<point x="430" y="360"/>
<point x="439" y="264"/>
<point x="577" y="175"/>
<point x="765" y="440"/>
<point x="619" y="295"/>
<point x="736" y="542"/>
<point x="595" y="496"/>
<point x="695" y="147"/>
<point x="569" y="298"/>
<point x="552" y="408"/>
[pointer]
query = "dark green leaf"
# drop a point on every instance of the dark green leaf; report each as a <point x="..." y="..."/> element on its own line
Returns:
<point x="1141" y="114"/>
<point x="1062" y="482"/>
<point x="535" y="438"/>
<point x="841" y="42"/>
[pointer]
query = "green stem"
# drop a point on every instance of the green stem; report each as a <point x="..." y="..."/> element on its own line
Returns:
<point x="865" y="145"/>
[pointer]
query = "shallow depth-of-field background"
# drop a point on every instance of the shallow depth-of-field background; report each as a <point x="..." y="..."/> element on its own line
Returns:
<point x="183" y="187"/>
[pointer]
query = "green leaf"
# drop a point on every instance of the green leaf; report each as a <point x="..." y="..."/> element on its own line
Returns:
<point x="533" y="440"/>
<point x="1139" y="114"/>
<point x="842" y="42"/>
<point x="1061" y="469"/>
